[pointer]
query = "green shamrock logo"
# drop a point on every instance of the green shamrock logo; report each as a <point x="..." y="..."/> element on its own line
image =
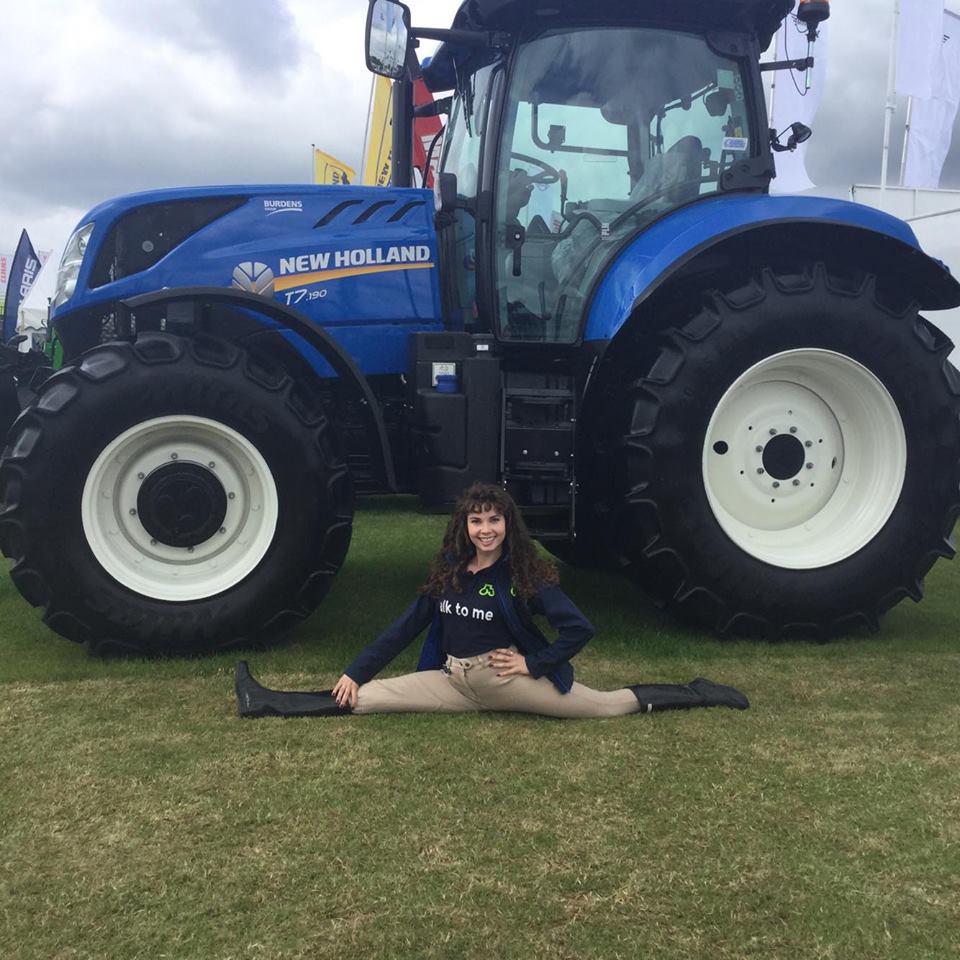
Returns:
<point x="513" y="591"/>
<point x="487" y="590"/>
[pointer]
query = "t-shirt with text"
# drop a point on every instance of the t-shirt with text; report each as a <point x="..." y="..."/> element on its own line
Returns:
<point x="472" y="621"/>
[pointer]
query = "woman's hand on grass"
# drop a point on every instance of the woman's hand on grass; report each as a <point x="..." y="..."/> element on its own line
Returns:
<point x="509" y="663"/>
<point x="345" y="692"/>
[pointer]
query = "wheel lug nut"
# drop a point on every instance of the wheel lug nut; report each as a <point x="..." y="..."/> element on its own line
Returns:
<point x="793" y="429"/>
<point x="773" y="431"/>
<point x="153" y="542"/>
<point x="224" y="529"/>
<point x="796" y="483"/>
<point x="808" y="443"/>
<point x="776" y="484"/>
<point x="174" y="456"/>
<point x="231" y="496"/>
<point x="140" y="476"/>
<point x="211" y="464"/>
<point x="133" y="512"/>
<point x="760" y="470"/>
<point x="758" y="449"/>
<point x="809" y="466"/>
<point x="189" y="549"/>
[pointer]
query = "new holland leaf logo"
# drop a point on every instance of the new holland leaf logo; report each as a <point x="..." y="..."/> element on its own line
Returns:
<point x="487" y="590"/>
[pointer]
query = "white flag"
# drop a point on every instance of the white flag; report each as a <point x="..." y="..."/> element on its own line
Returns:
<point x="918" y="41"/>
<point x="931" y="121"/>
<point x="948" y="70"/>
<point x="792" y="102"/>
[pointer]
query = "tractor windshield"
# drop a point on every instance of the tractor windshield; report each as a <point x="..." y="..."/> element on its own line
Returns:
<point x="604" y="130"/>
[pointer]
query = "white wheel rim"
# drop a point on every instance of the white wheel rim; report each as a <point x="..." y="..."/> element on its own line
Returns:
<point x="804" y="459"/>
<point x="136" y="558"/>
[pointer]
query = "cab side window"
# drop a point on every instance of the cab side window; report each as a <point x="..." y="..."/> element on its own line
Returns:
<point x="461" y="157"/>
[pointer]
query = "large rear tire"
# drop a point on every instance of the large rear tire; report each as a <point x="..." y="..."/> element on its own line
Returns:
<point x="791" y="465"/>
<point x="174" y="496"/>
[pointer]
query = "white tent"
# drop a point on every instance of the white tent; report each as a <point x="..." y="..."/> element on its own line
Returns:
<point x="33" y="309"/>
<point x="934" y="216"/>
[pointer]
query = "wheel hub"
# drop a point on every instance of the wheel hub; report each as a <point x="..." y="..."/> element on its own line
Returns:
<point x="182" y="504"/>
<point x="804" y="458"/>
<point x="179" y="508"/>
<point x="783" y="457"/>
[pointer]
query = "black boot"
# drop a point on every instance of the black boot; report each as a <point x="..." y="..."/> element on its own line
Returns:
<point x="254" y="700"/>
<point x="697" y="693"/>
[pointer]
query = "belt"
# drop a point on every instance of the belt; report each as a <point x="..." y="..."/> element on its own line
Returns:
<point x="480" y="660"/>
<point x="466" y="663"/>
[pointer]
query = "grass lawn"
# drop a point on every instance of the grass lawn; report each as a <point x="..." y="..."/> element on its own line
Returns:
<point x="140" y="818"/>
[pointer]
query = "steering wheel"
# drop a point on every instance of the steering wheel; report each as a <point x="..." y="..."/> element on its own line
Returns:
<point x="547" y="173"/>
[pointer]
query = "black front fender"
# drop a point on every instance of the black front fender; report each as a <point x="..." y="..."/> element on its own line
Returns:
<point x="310" y="332"/>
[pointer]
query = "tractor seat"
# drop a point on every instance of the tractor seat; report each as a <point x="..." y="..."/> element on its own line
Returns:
<point x="675" y="173"/>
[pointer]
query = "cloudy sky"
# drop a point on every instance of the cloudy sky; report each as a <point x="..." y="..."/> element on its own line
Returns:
<point x="102" y="97"/>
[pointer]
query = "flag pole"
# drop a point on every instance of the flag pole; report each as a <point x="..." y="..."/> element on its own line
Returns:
<point x="906" y="141"/>
<point x="891" y="98"/>
<point x="366" y="128"/>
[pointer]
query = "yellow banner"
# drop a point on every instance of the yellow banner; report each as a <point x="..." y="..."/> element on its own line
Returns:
<point x="327" y="169"/>
<point x="376" y="164"/>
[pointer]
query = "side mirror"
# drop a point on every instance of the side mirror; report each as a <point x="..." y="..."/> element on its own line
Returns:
<point x="799" y="133"/>
<point x="388" y="27"/>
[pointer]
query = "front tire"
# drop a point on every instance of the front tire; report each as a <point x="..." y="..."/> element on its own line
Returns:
<point x="791" y="463"/>
<point x="174" y="496"/>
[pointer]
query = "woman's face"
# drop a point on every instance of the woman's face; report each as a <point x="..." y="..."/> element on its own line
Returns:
<point x="487" y="530"/>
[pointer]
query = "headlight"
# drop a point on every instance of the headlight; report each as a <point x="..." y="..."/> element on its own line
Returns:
<point x="70" y="264"/>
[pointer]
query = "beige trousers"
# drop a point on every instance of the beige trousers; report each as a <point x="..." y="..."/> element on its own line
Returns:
<point x="471" y="684"/>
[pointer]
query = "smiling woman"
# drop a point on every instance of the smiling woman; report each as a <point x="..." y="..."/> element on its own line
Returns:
<point x="483" y="650"/>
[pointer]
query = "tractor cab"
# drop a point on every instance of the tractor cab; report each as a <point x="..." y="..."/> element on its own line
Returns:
<point x="571" y="131"/>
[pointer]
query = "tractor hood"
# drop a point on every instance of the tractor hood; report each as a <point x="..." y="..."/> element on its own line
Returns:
<point x="351" y="259"/>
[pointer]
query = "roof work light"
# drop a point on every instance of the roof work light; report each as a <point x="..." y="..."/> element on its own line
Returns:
<point x="813" y="13"/>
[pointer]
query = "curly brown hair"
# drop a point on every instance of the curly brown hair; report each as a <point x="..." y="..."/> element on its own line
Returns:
<point x="528" y="570"/>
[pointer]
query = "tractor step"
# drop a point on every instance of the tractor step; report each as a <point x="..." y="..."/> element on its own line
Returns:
<point x="363" y="474"/>
<point x="537" y="450"/>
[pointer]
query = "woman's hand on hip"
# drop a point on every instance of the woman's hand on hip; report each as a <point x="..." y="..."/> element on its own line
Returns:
<point x="509" y="663"/>
<point x="345" y="692"/>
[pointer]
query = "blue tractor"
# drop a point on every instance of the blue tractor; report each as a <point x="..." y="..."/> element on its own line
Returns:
<point x="731" y="397"/>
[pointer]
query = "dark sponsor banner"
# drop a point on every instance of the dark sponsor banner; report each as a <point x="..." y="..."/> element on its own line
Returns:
<point x="23" y="271"/>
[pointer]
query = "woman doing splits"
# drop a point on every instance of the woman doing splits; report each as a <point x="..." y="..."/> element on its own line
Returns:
<point x="483" y="650"/>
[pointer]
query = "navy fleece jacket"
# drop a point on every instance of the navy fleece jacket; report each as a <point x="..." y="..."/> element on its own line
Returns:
<point x="544" y="659"/>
